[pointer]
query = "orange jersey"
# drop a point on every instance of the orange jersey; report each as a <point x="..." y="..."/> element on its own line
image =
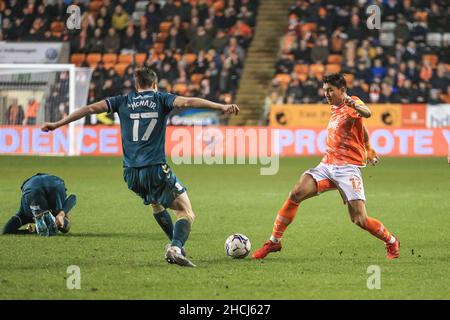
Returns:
<point x="345" y="136"/>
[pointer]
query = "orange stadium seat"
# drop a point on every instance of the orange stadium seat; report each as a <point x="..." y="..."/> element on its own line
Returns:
<point x="77" y="58"/>
<point x="165" y="26"/>
<point x="109" y="65"/>
<point x="308" y="27"/>
<point x="332" y="68"/>
<point x="93" y="58"/>
<point x="432" y="58"/>
<point x="283" y="79"/>
<point x="140" y="58"/>
<point x="159" y="47"/>
<point x="335" y="58"/>
<point x="126" y="58"/>
<point x="301" y="68"/>
<point x="180" y="88"/>
<point x="120" y="68"/>
<point x="109" y="58"/>
<point x="196" y="78"/>
<point x="189" y="58"/>
<point x="316" y="68"/>
<point x="94" y="6"/>
<point x="57" y="26"/>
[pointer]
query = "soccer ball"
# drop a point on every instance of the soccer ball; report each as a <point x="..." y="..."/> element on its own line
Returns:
<point x="237" y="246"/>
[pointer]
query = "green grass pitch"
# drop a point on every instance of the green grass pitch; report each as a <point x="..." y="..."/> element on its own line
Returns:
<point x="119" y="247"/>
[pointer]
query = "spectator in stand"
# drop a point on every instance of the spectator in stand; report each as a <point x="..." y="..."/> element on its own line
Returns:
<point x="129" y="41"/>
<point x="174" y="41"/>
<point x="96" y="44"/>
<point x="31" y="112"/>
<point x="235" y="48"/>
<point x="401" y="30"/>
<point x="441" y="78"/>
<point x="285" y="64"/>
<point x="378" y="70"/>
<point x="144" y="43"/>
<point x="407" y="93"/>
<point x="15" y="114"/>
<point x="422" y="92"/>
<point x="387" y="95"/>
<point x="111" y="42"/>
<point x="220" y="41"/>
<point x="319" y="53"/>
<point x="169" y="10"/>
<point x="200" y="41"/>
<point x="411" y="71"/>
<point x="435" y="97"/>
<point x="153" y="18"/>
<point x="104" y="14"/>
<point x="120" y="20"/>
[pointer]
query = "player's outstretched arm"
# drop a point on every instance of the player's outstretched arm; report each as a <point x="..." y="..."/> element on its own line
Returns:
<point x="187" y="102"/>
<point x="98" y="107"/>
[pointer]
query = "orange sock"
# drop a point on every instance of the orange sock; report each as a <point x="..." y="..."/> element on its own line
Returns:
<point x="284" y="218"/>
<point x="376" y="228"/>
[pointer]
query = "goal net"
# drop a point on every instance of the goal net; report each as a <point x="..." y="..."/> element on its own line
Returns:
<point x="31" y="94"/>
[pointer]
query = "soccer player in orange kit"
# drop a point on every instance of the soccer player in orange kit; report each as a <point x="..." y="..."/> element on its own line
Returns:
<point x="339" y="169"/>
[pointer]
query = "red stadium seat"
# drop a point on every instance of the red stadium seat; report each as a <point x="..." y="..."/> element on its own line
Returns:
<point x="165" y="26"/>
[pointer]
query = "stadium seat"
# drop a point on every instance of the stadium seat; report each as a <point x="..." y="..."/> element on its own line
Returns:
<point x="57" y="26"/>
<point x="180" y="88"/>
<point x="77" y="59"/>
<point x="196" y="78"/>
<point x="94" y="6"/>
<point x="126" y="58"/>
<point x="141" y="6"/>
<point x="434" y="39"/>
<point x="387" y="39"/>
<point x="283" y="79"/>
<point x="446" y="38"/>
<point x="158" y="47"/>
<point x="335" y="58"/>
<point x="308" y="27"/>
<point x="93" y="58"/>
<point x="165" y="26"/>
<point x="432" y="58"/>
<point x="109" y="58"/>
<point x="109" y="65"/>
<point x="189" y="58"/>
<point x="316" y="68"/>
<point x="332" y="68"/>
<point x="301" y="69"/>
<point x="120" y="68"/>
<point x="140" y="58"/>
<point x="388" y="26"/>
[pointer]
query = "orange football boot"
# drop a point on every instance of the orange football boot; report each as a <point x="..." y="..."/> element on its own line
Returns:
<point x="267" y="248"/>
<point x="393" y="250"/>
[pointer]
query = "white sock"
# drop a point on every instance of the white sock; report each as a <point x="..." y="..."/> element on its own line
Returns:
<point x="274" y="240"/>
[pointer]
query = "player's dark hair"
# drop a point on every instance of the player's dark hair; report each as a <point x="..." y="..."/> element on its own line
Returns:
<point x="335" y="79"/>
<point x="145" y="77"/>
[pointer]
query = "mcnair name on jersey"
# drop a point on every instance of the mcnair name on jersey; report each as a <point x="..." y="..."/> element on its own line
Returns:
<point x="142" y="103"/>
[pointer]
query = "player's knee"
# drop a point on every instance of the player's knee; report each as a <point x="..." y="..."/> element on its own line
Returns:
<point x="157" y="208"/>
<point x="359" y="219"/>
<point x="297" y="195"/>
<point x="186" y="214"/>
